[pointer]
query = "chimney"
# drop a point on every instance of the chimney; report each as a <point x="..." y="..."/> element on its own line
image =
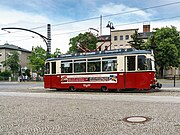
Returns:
<point x="146" y="27"/>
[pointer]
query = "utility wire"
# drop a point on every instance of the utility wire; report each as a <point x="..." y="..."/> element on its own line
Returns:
<point x="174" y="3"/>
<point x="152" y="20"/>
<point x="168" y="4"/>
<point x="105" y="27"/>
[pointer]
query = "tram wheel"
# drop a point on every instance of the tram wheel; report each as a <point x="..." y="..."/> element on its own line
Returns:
<point x="104" y="89"/>
<point x="72" y="89"/>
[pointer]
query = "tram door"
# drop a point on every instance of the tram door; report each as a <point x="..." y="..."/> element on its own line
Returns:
<point x="130" y="74"/>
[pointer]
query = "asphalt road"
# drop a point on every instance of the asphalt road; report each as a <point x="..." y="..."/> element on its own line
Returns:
<point x="27" y="108"/>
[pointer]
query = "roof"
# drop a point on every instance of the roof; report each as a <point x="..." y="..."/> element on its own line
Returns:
<point x="144" y="35"/>
<point x="104" y="38"/>
<point x="13" y="47"/>
<point x="125" y="30"/>
<point x="100" y="53"/>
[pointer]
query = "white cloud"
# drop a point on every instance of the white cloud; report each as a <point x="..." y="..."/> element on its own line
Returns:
<point x="9" y="16"/>
<point x="61" y="33"/>
<point x="111" y="8"/>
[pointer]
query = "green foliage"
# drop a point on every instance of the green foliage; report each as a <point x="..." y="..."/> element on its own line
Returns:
<point x="27" y="72"/>
<point x="5" y="75"/>
<point x="167" y="55"/>
<point x="56" y="53"/>
<point x="166" y="45"/>
<point x="12" y="62"/>
<point x="86" y="41"/>
<point x="137" y="42"/>
<point x="37" y="59"/>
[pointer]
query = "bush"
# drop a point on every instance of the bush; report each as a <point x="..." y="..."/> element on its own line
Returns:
<point x="5" y="74"/>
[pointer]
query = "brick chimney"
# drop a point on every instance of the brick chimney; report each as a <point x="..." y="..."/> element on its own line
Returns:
<point x="146" y="27"/>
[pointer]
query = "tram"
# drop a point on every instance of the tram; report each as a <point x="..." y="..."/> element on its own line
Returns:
<point x="119" y="70"/>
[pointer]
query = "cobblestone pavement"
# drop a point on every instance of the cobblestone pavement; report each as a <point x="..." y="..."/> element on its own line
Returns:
<point x="40" y="112"/>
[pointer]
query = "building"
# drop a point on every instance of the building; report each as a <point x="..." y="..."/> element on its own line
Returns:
<point x="7" y="49"/>
<point x="119" y="38"/>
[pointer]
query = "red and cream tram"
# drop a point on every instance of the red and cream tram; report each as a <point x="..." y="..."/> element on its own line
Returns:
<point x="124" y="69"/>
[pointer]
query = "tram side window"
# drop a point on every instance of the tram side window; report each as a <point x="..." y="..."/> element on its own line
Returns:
<point x="109" y="64"/>
<point x="53" y="67"/>
<point x="131" y="63"/>
<point x="94" y="65"/>
<point x="80" y="66"/>
<point x="47" y="70"/>
<point x="141" y="62"/>
<point x="66" y="67"/>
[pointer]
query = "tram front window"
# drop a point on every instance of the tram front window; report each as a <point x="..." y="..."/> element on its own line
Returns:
<point x="149" y="64"/>
<point x="142" y="62"/>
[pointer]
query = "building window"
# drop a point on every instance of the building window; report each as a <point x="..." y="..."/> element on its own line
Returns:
<point x="127" y="37"/>
<point x="0" y="54"/>
<point x="121" y="37"/>
<point x="121" y="46"/>
<point x="115" y="38"/>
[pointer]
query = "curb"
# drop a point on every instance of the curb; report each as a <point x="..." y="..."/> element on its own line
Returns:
<point x="171" y="89"/>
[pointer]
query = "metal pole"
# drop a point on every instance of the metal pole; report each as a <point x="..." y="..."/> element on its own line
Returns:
<point x="49" y="38"/>
<point x="100" y="25"/>
<point x="43" y="37"/>
<point x="174" y="80"/>
<point x="110" y="38"/>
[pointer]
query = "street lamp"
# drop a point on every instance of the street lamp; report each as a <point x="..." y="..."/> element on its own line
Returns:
<point x="47" y="39"/>
<point x="111" y="27"/>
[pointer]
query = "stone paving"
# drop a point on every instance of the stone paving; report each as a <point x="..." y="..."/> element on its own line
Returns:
<point x="64" y="113"/>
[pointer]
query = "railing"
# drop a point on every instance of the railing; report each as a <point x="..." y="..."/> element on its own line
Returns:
<point x="173" y="80"/>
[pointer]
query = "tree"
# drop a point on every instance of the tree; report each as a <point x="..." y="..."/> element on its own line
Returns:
<point x="56" y="53"/>
<point x="37" y="60"/>
<point x="136" y="42"/>
<point x="86" y="41"/>
<point x="166" y="45"/>
<point x="12" y="62"/>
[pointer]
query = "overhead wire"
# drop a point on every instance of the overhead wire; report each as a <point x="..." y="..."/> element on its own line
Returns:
<point x="152" y="20"/>
<point x="174" y="3"/>
<point x="152" y="7"/>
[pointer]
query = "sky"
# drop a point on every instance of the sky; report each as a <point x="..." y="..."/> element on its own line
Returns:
<point x="68" y="18"/>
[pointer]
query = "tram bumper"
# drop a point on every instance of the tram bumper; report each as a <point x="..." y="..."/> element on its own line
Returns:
<point x="156" y="85"/>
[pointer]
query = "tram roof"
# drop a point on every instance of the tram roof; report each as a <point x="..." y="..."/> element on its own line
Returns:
<point x="100" y="53"/>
